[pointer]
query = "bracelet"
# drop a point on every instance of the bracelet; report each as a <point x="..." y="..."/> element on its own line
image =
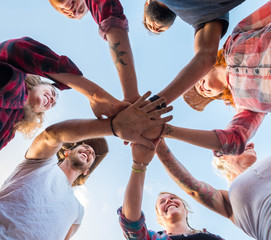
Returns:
<point x="154" y="98"/>
<point x="138" y="170"/>
<point x="140" y="164"/>
<point x="111" y="125"/>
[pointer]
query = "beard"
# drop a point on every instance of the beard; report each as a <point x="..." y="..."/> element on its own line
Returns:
<point x="76" y="164"/>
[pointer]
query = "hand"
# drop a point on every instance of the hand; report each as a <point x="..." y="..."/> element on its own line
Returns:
<point x="154" y="132"/>
<point x="142" y="154"/>
<point x="130" y="123"/>
<point x="107" y="106"/>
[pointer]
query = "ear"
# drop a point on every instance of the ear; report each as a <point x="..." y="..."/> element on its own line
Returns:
<point x="67" y="153"/>
<point x="86" y="172"/>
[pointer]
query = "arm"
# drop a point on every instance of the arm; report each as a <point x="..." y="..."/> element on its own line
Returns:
<point x="72" y="231"/>
<point x="206" y="44"/>
<point x="101" y="102"/>
<point x="129" y="124"/>
<point x="113" y="27"/>
<point x="201" y="138"/>
<point x="132" y="220"/>
<point x="216" y="200"/>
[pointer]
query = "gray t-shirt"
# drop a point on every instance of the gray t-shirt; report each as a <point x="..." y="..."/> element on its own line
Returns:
<point x="250" y="197"/>
<point x="37" y="202"/>
<point x="198" y="12"/>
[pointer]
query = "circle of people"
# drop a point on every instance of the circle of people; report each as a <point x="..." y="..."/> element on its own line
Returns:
<point x="65" y="154"/>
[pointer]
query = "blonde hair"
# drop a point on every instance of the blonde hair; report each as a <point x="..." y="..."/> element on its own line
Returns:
<point x="185" y="204"/>
<point x="225" y="169"/>
<point x="226" y="95"/>
<point x="31" y="120"/>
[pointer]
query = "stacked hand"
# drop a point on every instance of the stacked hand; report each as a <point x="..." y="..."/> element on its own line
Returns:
<point x="131" y="123"/>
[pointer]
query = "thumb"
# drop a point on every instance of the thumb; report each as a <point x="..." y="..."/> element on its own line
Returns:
<point x="147" y="143"/>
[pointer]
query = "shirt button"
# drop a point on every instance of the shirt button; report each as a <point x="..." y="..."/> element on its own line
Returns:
<point x="246" y="71"/>
<point x="237" y="70"/>
<point x="257" y="71"/>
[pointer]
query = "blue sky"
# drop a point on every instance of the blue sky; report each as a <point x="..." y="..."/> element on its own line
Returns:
<point x="157" y="59"/>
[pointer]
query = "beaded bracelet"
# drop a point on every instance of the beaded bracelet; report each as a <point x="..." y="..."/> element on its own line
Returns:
<point x="138" y="170"/>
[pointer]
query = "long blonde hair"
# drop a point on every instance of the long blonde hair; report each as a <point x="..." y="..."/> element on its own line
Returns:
<point x="225" y="169"/>
<point x="31" y="120"/>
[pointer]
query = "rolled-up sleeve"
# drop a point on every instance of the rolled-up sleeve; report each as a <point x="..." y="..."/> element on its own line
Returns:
<point x="242" y="127"/>
<point x="107" y="14"/>
<point x="32" y="57"/>
<point x="133" y="230"/>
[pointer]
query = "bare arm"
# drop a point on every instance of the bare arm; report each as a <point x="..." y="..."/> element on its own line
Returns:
<point x="129" y="124"/>
<point x="72" y="231"/>
<point x="75" y="130"/>
<point x="122" y="56"/>
<point x="201" y="138"/>
<point x="101" y="102"/>
<point x="206" y="45"/>
<point x="134" y="191"/>
<point x="216" y="200"/>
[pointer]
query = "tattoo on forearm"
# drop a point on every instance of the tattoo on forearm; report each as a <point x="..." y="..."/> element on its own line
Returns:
<point x="168" y="130"/>
<point x="201" y="191"/>
<point x="119" y="54"/>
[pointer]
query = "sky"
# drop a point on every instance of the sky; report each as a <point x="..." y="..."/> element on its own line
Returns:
<point x="158" y="59"/>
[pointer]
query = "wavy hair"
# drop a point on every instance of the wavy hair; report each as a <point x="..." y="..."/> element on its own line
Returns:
<point x="31" y="121"/>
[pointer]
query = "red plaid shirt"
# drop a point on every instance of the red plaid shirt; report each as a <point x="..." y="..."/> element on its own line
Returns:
<point x="107" y="13"/>
<point x="248" y="56"/>
<point x="17" y="58"/>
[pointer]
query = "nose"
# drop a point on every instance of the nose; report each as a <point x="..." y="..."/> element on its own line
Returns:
<point x="168" y="200"/>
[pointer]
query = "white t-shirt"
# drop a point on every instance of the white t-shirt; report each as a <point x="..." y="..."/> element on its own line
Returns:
<point x="37" y="202"/>
<point x="250" y="197"/>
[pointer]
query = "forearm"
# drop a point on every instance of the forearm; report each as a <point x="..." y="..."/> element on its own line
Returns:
<point x="201" y="138"/>
<point x="197" y="68"/>
<point x="200" y="191"/>
<point x="122" y="56"/>
<point x="133" y="196"/>
<point x="81" y="84"/>
<point x="71" y="131"/>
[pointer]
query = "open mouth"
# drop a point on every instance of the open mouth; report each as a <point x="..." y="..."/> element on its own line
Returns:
<point x="171" y="206"/>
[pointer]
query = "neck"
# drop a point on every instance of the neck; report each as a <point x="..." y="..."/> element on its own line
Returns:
<point x="178" y="228"/>
<point x="69" y="171"/>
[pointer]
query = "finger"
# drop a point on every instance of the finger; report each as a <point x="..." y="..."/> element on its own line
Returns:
<point x="158" y="113"/>
<point x="142" y="99"/>
<point x="161" y="121"/>
<point x="147" y="143"/>
<point x="154" y="104"/>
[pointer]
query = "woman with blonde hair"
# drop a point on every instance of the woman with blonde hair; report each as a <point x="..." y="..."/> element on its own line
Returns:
<point x="247" y="203"/>
<point x="172" y="211"/>
<point x="24" y="97"/>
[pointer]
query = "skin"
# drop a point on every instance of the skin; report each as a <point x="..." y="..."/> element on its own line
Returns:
<point x="216" y="200"/>
<point x="154" y="26"/>
<point x="214" y="83"/>
<point x="172" y="214"/>
<point x="42" y="97"/>
<point x="119" y="46"/>
<point x="74" y="9"/>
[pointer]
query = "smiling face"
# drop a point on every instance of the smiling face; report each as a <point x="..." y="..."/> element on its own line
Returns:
<point x="170" y="208"/>
<point x="74" y="9"/>
<point x="41" y="98"/>
<point x="82" y="156"/>
<point x="244" y="160"/>
<point x="213" y="83"/>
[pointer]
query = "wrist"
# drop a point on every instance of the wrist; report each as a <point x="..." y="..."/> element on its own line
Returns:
<point x="112" y="126"/>
<point x="138" y="169"/>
